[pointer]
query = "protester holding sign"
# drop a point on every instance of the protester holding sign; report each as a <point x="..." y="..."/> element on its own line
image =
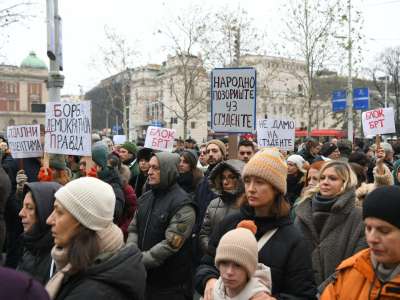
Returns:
<point x="329" y="220"/>
<point x="57" y="171"/>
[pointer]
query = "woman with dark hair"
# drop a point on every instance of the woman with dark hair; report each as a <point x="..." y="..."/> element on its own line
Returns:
<point x="226" y="182"/>
<point x="90" y="256"/>
<point x="189" y="174"/>
<point x="281" y="245"/>
<point x="138" y="182"/>
<point x="310" y="150"/>
<point x="329" y="219"/>
<point x="37" y="238"/>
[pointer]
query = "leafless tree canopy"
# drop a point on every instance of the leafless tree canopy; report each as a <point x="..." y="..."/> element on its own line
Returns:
<point x="13" y="13"/>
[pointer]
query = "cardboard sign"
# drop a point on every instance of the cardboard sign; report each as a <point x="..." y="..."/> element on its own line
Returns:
<point x="68" y="128"/>
<point x="378" y="121"/>
<point x="278" y="133"/>
<point x="158" y="138"/>
<point x="233" y="100"/>
<point x="119" y="139"/>
<point x="24" y="141"/>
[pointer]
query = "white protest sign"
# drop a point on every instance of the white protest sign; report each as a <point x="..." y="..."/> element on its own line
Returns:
<point x="279" y="133"/>
<point x="378" y="121"/>
<point x="119" y="139"/>
<point x="233" y="100"/>
<point x="68" y="128"/>
<point x="158" y="138"/>
<point x="24" y="141"/>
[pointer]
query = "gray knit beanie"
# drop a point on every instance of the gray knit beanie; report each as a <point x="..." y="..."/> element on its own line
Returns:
<point x="90" y="200"/>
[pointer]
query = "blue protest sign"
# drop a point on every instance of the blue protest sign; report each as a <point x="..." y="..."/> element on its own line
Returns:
<point x="360" y="98"/>
<point x="338" y="100"/>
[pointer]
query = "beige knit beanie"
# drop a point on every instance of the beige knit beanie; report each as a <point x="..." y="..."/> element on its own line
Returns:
<point x="90" y="200"/>
<point x="268" y="164"/>
<point x="239" y="246"/>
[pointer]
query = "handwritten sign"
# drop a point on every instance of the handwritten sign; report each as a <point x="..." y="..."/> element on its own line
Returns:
<point x="233" y="100"/>
<point x="279" y="133"/>
<point x="119" y="139"/>
<point x="160" y="138"/>
<point x="68" y="128"/>
<point x="24" y="141"/>
<point x="378" y="121"/>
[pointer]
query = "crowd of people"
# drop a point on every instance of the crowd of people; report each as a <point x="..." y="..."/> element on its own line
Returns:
<point x="322" y="221"/>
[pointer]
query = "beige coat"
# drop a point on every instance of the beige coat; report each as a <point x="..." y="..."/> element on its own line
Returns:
<point x="379" y="180"/>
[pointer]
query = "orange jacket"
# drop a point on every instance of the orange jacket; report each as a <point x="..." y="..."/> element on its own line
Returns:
<point x="356" y="280"/>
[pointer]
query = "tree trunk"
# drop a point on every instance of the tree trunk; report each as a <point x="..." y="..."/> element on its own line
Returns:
<point x="185" y="121"/>
<point x="309" y="116"/>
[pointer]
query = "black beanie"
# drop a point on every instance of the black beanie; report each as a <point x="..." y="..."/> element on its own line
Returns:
<point x="383" y="203"/>
<point x="327" y="149"/>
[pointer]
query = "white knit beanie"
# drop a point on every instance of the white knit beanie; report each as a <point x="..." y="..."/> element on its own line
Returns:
<point x="90" y="200"/>
<point x="298" y="160"/>
<point x="239" y="246"/>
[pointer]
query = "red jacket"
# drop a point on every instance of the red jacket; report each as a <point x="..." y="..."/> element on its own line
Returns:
<point x="129" y="209"/>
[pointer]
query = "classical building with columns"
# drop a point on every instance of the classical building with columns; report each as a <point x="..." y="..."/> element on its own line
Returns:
<point x="22" y="91"/>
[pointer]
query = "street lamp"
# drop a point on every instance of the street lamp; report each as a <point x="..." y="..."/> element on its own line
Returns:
<point x="386" y="78"/>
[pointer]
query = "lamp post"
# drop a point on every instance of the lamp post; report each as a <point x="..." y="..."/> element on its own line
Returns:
<point x="386" y="78"/>
<point x="350" y="128"/>
<point x="54" y="51"/>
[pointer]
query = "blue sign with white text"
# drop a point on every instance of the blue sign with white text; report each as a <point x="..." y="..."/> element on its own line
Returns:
<point x="360" y="98"/>
<point x="338" y="100"/>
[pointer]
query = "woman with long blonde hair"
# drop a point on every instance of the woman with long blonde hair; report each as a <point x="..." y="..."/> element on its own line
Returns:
<point x="329" y="219"/>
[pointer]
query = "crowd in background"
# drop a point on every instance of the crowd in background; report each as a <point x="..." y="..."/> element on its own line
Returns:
<point x="135" y="223"/>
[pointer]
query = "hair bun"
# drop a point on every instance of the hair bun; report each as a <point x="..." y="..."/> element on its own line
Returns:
<point x="248" y="224"/>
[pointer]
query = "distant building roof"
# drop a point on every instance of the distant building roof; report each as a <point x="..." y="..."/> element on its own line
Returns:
<point x="33" y="62"/>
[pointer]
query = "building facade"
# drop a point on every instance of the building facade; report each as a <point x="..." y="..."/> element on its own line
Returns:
<point x="23" y="92"/>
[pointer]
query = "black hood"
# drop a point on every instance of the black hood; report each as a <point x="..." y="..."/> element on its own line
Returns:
<point x="235" y="166"/>
<point x="43" y="196"/>
<point x="124" y="271"/>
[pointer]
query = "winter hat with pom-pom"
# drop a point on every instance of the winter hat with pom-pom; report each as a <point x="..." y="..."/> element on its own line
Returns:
<point x="239" y="246"/>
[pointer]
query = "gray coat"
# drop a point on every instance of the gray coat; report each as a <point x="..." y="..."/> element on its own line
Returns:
<point x="341" y="236"/>
<point x="223" y="205"/>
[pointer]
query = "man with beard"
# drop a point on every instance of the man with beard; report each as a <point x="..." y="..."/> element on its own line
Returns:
<point x="216" y="152"/>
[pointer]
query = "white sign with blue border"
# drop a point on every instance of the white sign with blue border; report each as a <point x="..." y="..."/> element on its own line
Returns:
<point x="233" y="100"/>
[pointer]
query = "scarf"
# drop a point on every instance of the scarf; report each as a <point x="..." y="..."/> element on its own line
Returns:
<point x="110" y="240"/>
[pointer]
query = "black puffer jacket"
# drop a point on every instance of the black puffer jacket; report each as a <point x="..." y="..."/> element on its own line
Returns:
<point x="120" y="277"/>
<point x="111" y="176"/>
<point x="285" y="253"/>
<point x="225" y="204"/>
<point x="36" y="260"/>
<point x="5" y="190"/>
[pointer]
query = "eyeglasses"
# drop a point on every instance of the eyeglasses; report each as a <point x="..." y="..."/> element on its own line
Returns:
<point x="229" y="178"/>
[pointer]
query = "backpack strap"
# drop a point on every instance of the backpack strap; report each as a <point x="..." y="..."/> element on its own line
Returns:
<point x="265" y="238"/>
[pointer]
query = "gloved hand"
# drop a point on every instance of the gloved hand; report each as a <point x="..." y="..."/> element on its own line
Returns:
<point x="21" y="179"/>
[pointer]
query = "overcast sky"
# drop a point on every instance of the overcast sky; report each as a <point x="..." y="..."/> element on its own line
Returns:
<point x="84" y="20"/>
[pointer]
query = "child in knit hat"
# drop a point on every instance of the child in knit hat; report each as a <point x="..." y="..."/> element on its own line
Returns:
<point x="241" y="276"/>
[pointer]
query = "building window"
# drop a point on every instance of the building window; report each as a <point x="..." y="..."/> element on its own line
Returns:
<point x="193" y="125"/>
